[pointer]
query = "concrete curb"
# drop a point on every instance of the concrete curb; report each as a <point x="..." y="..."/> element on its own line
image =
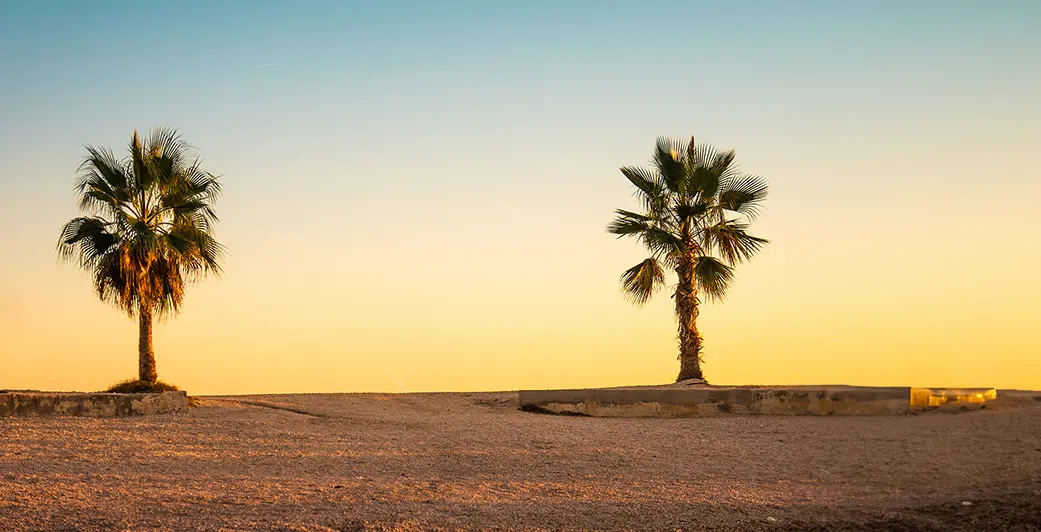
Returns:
<point x="672" y="402"/>
<point x="36" y="404"/>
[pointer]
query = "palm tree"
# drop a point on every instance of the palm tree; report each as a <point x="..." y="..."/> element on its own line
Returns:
<point x="697" y="208"/>
<point x="148" y="231"/>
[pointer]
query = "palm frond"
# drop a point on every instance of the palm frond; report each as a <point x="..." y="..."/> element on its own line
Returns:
<point x="640" y="282"/>
<point x="165" y="155"/>
<point x="102" y="181"/>
<point x="662" y="242"/>
<point x="697" y="210"/>
<point x="731" y="241"/>
<point x="166" y="142"/>
<point x="168" y="284"/>
<point x="744" y="195"/>
<point x="652" y="191"/>
<point x="692" y="153"/>
<point x="198" y="250"/>
<point x="87" y="239"/>
<point x="713" y="277"/>
<point x="199" y="183"/>
<point x="113" y="283"/>
<point x="101" y="165"/>
<point x="628" y="223"/>
<point x="723" y="164"/>
<point x="702" y="154"/>
<point x="706" y="168"/>
<point x="667" y="158"/>
<point x="640" y="177"/>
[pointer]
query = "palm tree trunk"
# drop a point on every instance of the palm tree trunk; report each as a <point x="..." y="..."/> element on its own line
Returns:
<point x="146" y="356"/>
<point x="687" y="314"/>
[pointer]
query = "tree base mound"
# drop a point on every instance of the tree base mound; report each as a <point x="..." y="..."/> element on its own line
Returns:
<point x="139" y="386"/>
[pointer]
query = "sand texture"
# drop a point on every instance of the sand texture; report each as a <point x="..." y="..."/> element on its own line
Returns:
<point x="474" y="461"/>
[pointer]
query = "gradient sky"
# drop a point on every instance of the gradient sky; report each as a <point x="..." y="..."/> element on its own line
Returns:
<point x="416" y="192"/>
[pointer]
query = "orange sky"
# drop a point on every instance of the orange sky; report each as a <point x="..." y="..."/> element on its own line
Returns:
<point x="836" y="298"/>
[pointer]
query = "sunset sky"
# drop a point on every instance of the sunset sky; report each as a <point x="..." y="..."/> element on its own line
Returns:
<point x="416" y="192"/>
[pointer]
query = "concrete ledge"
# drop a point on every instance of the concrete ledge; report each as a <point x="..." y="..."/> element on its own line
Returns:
<point x="941" y="396"/>
<point x="707" y="401"/>
<point x="33" y="403"/>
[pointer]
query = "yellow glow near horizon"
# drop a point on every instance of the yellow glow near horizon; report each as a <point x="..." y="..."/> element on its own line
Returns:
<point x="535" y="314"/>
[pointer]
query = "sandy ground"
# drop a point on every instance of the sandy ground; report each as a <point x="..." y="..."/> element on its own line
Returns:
<point x="473" y="461"/>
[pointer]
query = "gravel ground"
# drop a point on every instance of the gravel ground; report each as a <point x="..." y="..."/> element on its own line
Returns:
<point x="466" y="461"/>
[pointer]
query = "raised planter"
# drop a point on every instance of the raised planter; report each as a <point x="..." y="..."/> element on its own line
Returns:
<point x="711" y="400"/>
<point x="33" y="403"/>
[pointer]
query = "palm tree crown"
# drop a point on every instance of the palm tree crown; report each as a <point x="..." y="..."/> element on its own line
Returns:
<point x="148" y="229"/>
<point x="697" y="207"/>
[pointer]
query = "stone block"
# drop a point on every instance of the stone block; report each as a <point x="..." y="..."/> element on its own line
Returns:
<point x="90" y="404"/>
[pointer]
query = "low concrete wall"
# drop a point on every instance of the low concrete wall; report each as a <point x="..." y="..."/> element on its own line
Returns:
<point x="940" y="396"/>
<point x="679" y="402"/>
<point x="90" y="404"/>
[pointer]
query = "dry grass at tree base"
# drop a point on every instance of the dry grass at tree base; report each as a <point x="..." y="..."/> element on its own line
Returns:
<point x="139" y="386"/>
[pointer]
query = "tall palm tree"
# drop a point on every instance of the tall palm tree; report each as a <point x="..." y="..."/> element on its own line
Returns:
<point x="697" y="209"/>
<point x="148" y="231"/>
